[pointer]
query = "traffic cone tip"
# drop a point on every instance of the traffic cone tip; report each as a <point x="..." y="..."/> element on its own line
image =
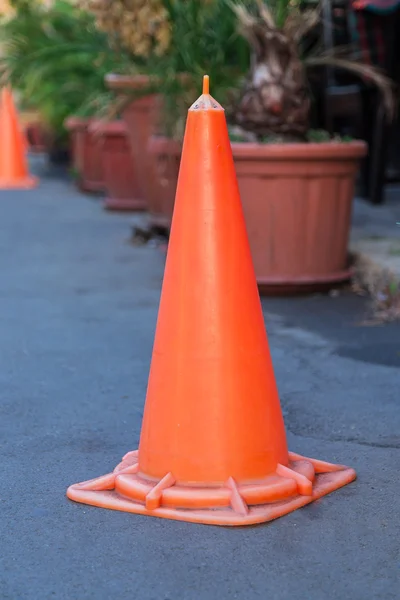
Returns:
<point x="205" y="101"/>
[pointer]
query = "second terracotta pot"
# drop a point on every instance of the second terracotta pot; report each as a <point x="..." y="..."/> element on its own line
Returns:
<point x="120" y="175"/>
<point x="297" y="201"/>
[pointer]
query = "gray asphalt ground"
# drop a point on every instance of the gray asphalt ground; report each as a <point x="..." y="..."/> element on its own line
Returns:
<point x="78" y="306"/>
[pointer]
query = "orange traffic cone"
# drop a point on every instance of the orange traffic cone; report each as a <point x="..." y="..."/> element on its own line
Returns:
<point x="213" y="443"/>
<point x="13" y="146"/>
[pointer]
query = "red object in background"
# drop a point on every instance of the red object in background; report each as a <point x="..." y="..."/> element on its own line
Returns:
<point x="86" y="154"/>
<point x="165" y="156"/>
<point x="36" y="138"/>
<point x="123" y="191"/>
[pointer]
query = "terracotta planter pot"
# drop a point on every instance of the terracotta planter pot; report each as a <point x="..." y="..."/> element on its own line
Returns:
<point x="37" y="137"/>
<point x="165" y="156"/>
<point x="297" y="201"/>
<point x="123" y="193"/>
<point x="86" y="155"/>
<point x="141" y="117"/>
<point x="36" y="133"/>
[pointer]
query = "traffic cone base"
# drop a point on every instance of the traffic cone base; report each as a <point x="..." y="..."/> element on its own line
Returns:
<point x="304" y="481"/>
<point x="26" y="183"/>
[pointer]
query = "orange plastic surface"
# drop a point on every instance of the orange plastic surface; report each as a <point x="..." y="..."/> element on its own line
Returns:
<point x="213" y="444"/>
<point x="211" y="390"/>
<point x="13" y="164"/>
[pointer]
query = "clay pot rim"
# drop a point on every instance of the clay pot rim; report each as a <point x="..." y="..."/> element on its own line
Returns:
<point x="126" y="82"/>
<point x="116" y="127"/>
<point x="135" y="82"/>
<point x="76" y="123"/>
<point x="307" y="151"/>
<point x="297" y="151"/>
<point x="72" y="123"/>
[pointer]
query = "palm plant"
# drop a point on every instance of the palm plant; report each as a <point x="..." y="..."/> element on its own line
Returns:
<point x="169" y="38"/>
<point x="275" y="101"/>
<point x="56" y="59"/>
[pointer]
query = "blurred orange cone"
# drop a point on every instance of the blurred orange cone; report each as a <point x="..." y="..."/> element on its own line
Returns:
<point x="13" y="145"/>
<point x="213" y="443"/>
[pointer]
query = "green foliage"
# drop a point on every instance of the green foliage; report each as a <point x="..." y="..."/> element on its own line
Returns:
<point x="319" y="136"/>
<point x="56" y="59"/>
<point x="278" y="10"/>
<point x="236" y="137"/>
<point x="204" y="40"/>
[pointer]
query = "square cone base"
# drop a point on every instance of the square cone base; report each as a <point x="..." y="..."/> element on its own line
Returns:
<point x="25" y="183"/>
<point x="303" y="482"/>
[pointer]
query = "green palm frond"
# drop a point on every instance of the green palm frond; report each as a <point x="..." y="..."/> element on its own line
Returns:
<point x="56" y="59"/>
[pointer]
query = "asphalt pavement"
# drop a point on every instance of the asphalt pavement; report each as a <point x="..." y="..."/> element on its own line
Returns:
<point x="78" y="307"/>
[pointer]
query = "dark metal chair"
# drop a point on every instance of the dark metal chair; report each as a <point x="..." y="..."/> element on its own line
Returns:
<point x="356" y="100"/>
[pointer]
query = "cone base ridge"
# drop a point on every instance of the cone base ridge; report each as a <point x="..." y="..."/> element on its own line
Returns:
<point x="124" y="205"/>
<point x="25" y="183"/>
<point x="303" y="481"/>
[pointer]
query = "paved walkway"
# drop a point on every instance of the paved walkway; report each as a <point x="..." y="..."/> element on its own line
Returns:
<point x="78" y="307"/>
<point x="375" y="233"/>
